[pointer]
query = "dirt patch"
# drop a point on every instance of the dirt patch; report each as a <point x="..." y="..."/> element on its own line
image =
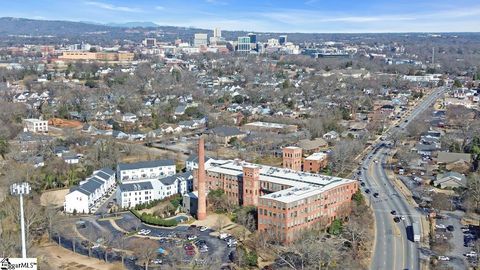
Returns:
<point x="54" y="257"/>
<point x="55" y="197"/>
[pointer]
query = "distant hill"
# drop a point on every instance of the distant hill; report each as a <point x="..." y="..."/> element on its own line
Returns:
<point x="19" y="26"/>
<point x="133" y="24"/>
<point x="19" y="31"/>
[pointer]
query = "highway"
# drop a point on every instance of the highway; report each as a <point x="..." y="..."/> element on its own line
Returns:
<point x="393" y="248"/>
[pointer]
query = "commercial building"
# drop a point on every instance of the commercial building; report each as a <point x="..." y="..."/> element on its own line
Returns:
<point x="282" y="39"/>
<point x="200" y="40"/>
<point x="82" y="198"/>
<point x="253" y="38"/>
<point x="145" y="170"/>
<point x="243" y="44"/>
<point x="96" y="56"/>
<point x="35" y="125"/>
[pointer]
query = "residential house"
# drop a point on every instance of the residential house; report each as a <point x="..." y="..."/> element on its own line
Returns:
<point x="225" y="134"/>
<point x="129" y="117"/>
<point x="312" y="146"/>
<point x="450" y="180"/>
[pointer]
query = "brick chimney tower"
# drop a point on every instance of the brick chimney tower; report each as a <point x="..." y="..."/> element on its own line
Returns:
<point x="202" y="200"/>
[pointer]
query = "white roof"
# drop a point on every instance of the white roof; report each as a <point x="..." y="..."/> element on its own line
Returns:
<point x="273" y="174"/>
<point x="299" y="193"/>
<point x="317" y="156"/>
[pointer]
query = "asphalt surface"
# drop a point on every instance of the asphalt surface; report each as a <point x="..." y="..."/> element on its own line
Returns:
<point x="394" y="247"/>
<point x="96" y="229"/>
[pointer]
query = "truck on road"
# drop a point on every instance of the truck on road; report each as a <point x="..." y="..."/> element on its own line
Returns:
<point x="416" y="232"/>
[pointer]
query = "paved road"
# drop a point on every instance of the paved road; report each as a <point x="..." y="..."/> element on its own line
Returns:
<point x="394" y="248"/>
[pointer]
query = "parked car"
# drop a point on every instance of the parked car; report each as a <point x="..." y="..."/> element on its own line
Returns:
<point x="450" y="228"/>
<point x="157" y="261"/>
<point x="443" y="258"/>
<point x="222" y="236"/>
<point x="191" y="237"/>
<point x="203" y="228"/>
<point x="471" y="254"/>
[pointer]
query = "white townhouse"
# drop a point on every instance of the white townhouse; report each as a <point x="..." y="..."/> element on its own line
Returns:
<point x="133" y="193"/>
<point x="192" y="162"/>
<point x="145" y="170"/>
<point x="83" y="197"/>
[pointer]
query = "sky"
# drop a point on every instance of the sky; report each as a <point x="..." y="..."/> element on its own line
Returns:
<point x="309" y="16"/>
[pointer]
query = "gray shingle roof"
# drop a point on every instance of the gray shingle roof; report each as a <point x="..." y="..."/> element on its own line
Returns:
<point x="194" y="158"/>
<point x="226" y="131"/>
<point x="136" y="186"/>
<point x="146" y="164"/>
<point x="170" y="180"/>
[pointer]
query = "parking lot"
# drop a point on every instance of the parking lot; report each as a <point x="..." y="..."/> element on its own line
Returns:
<point x="192" y="244"/>
<point x="461" y="239"/>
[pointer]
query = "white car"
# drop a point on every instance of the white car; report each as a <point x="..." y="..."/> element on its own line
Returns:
<point x="443" y="258"/>
<point x="223" y="235"/>
<point x="471" y="254"/>
<point x="157" y="261"/>
<point x="203" y="228"/>
<point x="192" y="237"/>
<point x="440" y="226"/>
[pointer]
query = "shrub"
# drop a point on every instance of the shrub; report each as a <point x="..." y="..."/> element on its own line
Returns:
<point x="154" y="220"/>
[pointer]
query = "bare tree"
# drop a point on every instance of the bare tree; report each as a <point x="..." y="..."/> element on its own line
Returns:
<point x="145" y="249"/>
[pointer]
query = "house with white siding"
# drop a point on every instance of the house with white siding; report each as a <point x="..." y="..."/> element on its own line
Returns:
<point x="130" y="194"/>
<point x="82" y="198"/>
<point x="145" y="170"/>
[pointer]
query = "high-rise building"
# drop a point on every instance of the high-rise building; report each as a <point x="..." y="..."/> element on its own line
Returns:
<point x="200" y="40"/>
<point x="282" y="39"/>
<point x="150" y="42"/>
<point x="243" y="44"/>
<point x="253" y="38"/>
<point x="217" y="32"/>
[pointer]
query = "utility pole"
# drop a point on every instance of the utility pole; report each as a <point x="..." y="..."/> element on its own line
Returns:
<point x="21" y="189"/>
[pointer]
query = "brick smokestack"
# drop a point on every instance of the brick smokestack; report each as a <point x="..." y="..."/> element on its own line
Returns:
<point x="202" y="200"/>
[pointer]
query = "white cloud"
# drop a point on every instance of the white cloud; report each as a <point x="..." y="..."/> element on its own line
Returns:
<point x="112" y="7"/>
<point x="160" y="8"/>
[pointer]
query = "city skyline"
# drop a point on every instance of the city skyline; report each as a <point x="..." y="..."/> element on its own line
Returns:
<point x="310" y="16"/>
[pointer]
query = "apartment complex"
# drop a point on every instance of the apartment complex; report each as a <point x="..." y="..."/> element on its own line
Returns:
<point x="82" y="198"/>
<point x="133" y="193"/>
<point x="145" y="170"/>
<point x="288" y="201"/>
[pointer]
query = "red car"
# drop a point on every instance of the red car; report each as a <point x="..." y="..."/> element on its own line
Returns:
<point x="189" y="247"/>
<point x="190" y="252"/>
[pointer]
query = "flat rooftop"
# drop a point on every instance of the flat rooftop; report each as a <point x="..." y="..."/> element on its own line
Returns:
<point x="317" y="156"/>
<point x="281" y="176"/>
<point x="267" y="125"/>
<point x="294" y="194"/>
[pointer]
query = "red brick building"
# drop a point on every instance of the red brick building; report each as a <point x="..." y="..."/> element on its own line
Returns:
<point x="288" y="201"/>
<point x="315" y="162"/>
<point x="292" y="158"/>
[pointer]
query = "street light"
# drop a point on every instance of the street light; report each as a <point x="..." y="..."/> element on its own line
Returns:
<point x="21" y="189"/>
